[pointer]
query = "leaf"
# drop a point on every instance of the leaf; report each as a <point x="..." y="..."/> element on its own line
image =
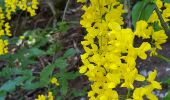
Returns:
<point x="71" y="75"/>
<point x="64" y="86"/>
<point x="10" y="85"/>
<point x="53" y="48"/>
<point x="2" y="4"/>
<point x="2" y="95"/>
<point x="69" y="53"/>
<point x="166" y="81"/>
<point x="167" y="1"/>
<point x="6" y="72"/>
<point x="147" y="11"/>
<point x="36" y="52"/>
<point x="44" y="79"/>
<point x="142" y="11"/>
<point x="61" y="63"/>
<point x="156" y="26"/>
<point x="79" y="93"/>
<point x="136" y="11"/>
<point x="45" y="74"/>
<point x="167" y="97"/>
<point x="32" y="86"/>
<point x="63" y="26"/>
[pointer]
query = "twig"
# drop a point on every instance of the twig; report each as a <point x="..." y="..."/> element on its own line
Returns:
<point x="50" y="4"/>
<point x="128" y="9"/>
<point x="163" y="58"/>
<point x="17" y="24"/>
<point x="163" y="23"/>
<point x="65" y="9"/>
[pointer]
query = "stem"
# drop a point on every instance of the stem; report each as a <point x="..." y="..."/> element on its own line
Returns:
<point x="50" y="4"/>
<point x="163" y="23"/>
<point x="65" y="9"/>
<point x="163" y="58"/>
<point x="128" y="94"/>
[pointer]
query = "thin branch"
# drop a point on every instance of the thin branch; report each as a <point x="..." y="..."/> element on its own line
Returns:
<point x="66" y="7"/>
<point x="163" y="23"/>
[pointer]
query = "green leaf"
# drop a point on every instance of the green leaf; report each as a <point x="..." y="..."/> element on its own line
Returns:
<point x="6" y="72"/>
<point x="156" y="26"/>
<point x="79" y="93"/>
<point x="2" y="4"/>
<point x="45" y="74"/>
<point x="53" y="48"/>
<point x="166" y="80"/>
<point x="71" y="75"/>
<point x="10" y="85"/>
<point x="63" y="26"/>
<point x="167" y="1"/>
<point x="64" y="86"/>
<point x="36" y="52"/>
<point x="142" y="11"/>
<point x="61" y="63"/>
<point x="69" y="53"/>
<point x="167" y="97"/>
<point x="2" y="95"/>
<point x="147" y="11"/>
<point x="136" y="11"/>
<point x="44" y="79"/>
<point x="32" y="86"/>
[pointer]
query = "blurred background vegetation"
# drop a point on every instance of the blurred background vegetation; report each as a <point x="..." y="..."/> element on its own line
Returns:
<point x="44" y="46"/>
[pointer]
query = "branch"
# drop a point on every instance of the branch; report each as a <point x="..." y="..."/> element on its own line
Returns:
<point x="163" y="23"/>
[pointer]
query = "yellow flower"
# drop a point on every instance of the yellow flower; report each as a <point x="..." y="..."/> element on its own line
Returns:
<point x="151" y="79"/>
<point x="159" y="37"/>
<point x="54" y="81"/>
<point x="3" y="46"/>
<point x="142" y="29"/>
<point x="22" y="37"/>
<point x="7" y="27"/>
<point x="41" y="97"/>
<point x="132" y="76"/>
<point x="50" y="96"/>
<point x="82" y="1"/>
<point x="142" y="49"/>
<point x="139" y="93"/>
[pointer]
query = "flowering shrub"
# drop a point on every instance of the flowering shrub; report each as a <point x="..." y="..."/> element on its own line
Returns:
<point x="5" y="15"/>
<point x="110" y="56"/>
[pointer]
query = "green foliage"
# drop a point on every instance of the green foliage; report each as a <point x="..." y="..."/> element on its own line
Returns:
<point x="167" y="96"/>
<point x="22" y="69"/>
<point x="63" y="26"/>
<point x="2" y="4"/>
<point x="167" y="1"/>
<point x="63" y="75"/>
<point x="142" y="11"/>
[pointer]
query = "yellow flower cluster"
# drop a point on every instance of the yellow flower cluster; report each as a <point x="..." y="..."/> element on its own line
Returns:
<point x="5" y="15"/>
<point x="3" y="48"/>
<point x="43" y="97"/>
<point x="110" y="56"/>
<point x="25" y="5"/>
<point x="4" y="30"/>
<point x="146" y="31"/>
<point x="165" y="12"/>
